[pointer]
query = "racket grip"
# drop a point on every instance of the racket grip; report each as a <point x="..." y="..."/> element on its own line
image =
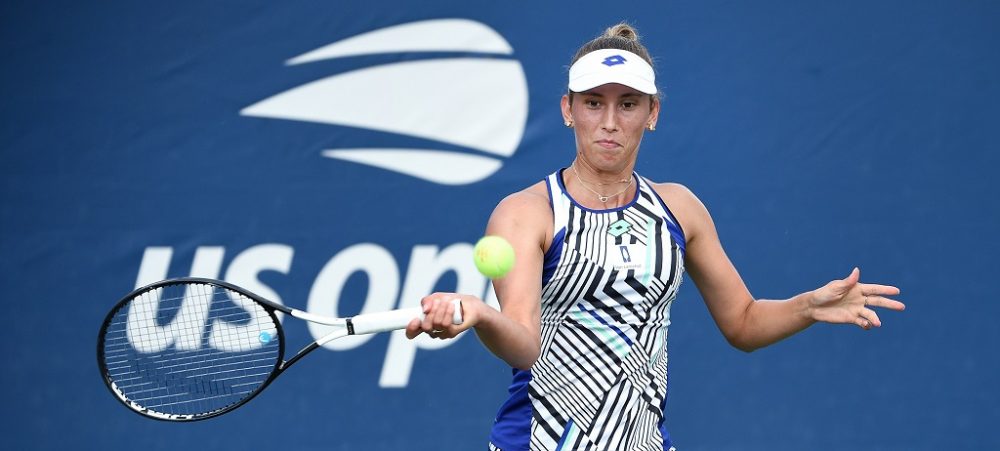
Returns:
<point x="371" y="323"/>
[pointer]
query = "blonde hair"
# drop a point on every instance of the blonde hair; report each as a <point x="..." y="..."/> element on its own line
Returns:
<point x="622" y="37"/>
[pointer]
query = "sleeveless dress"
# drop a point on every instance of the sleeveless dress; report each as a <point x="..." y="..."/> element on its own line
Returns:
<point x="600" y="382"/>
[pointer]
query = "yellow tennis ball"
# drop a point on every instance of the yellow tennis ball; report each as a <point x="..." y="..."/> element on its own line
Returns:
<point x="494" y="256"/>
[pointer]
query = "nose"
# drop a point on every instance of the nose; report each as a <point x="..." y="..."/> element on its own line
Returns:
<point x="609" y="122"/>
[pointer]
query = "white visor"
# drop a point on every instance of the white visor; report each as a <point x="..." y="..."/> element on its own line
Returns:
<point x="604" y="66"/>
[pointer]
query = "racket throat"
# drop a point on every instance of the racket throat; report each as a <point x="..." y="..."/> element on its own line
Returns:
<point x="309" y="348"/>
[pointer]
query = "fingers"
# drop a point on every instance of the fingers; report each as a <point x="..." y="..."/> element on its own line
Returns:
<point x="868" y="319"/>
<point x="879" y="301"/>
<point x="413" y="329"/>
<point x="874" y="296"/>
<point x="853" y="277"/>
<point x="443" y="314"/>
<point x="848" y="301"/>
<point x="871" y="289"/>
<point x="837" y="288"/>
<point x="438" y="313"/>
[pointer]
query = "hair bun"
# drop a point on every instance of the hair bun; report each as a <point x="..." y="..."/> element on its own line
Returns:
<point x="622" y="30"/>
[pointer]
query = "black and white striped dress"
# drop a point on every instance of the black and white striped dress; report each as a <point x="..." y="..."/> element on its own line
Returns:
<point x="609" y="279"/>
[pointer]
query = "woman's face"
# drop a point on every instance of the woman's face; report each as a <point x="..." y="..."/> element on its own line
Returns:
<point x="609" y="121"/>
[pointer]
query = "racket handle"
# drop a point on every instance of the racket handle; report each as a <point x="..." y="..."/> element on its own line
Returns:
<point x="371" y="323"/>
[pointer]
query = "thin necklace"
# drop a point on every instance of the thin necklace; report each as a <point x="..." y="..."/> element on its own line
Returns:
<point x="601" y="197"/>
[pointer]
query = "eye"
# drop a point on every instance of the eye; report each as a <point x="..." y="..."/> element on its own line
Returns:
<point x="592" y="103"/>
<point x="629" y="104"/>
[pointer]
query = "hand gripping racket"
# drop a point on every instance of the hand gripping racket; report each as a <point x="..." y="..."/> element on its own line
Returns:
<point x="189" y="349"/>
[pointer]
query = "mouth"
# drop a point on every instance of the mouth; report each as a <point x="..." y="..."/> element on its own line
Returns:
<point x="607" y="143"/>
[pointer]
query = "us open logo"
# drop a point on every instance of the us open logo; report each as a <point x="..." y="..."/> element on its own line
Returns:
<point x="478" y="103"/>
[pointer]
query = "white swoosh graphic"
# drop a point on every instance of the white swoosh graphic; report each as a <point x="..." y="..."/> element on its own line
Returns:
<point x="433" y="99"/>
<point x="476" y="103"/>
<point x="446" y="168"/>
<point x="438" y="35"/>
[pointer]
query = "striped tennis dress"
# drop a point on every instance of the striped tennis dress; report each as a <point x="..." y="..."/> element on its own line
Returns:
<point x="608" y="281"/>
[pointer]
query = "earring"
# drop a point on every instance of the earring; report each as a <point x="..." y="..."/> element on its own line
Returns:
<point x="651" y="126"/>
<point x="569" y="124"/>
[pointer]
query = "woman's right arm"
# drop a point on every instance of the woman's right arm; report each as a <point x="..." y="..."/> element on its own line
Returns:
<point x="514" y="333"/>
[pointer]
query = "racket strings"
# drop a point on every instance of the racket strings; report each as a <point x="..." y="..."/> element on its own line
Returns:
<point x="187" y="350"/>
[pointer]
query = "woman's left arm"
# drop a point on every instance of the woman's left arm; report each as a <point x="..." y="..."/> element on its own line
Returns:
<point x="750" y="324"/>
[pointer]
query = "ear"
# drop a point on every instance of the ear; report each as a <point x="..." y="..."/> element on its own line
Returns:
<point x="567" y="109"/>
<point x="654" y="111"/>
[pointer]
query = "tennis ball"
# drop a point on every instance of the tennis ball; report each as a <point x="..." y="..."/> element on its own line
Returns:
<point x="494" y="256"/>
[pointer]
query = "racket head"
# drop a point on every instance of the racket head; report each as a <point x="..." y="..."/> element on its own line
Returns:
<point x="189" y="349"/>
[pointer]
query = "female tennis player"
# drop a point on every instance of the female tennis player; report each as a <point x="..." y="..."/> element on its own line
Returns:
<point x="600" y="253"/>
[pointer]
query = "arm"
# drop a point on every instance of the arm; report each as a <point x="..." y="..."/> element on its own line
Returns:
<point x="514" y="333"/>
<point x="749" y="324"/>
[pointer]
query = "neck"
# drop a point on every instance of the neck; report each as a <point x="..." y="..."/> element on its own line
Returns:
<point x="608" y="194"/>
<point x="603" y="178"/>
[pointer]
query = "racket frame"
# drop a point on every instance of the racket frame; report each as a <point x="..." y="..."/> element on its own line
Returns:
<point x="356" y="325"/>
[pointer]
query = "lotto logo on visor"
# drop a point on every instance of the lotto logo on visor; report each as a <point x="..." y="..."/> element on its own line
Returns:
<point x="601" y="67"/>
<point x="612" y="60"/>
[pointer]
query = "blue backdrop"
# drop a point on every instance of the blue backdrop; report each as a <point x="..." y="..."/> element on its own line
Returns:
<point x="142" y="140"/>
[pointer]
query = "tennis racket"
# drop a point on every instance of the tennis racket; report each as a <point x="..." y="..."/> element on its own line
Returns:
<point x="189" y="349"/>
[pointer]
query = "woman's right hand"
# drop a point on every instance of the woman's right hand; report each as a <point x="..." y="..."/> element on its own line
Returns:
<point x="439" y="311"/>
